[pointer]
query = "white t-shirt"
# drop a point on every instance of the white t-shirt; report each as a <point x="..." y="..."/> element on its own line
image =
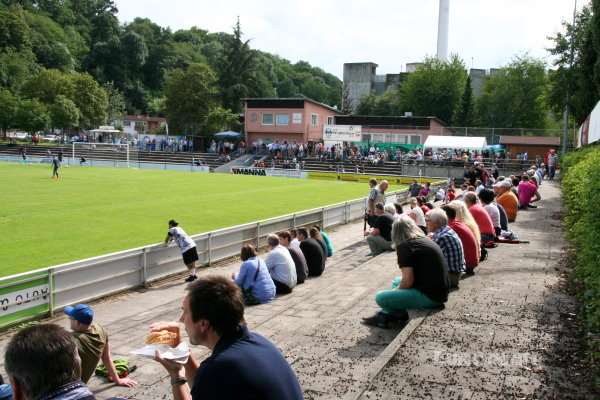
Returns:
<point x="281" y="266"/>
<point x="418" y="213"/>
<point x="295" y="242"/>
<point x="494" y="214"/>
<point x="182" y="239"/>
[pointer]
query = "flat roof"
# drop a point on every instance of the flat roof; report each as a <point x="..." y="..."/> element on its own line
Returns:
<point x="395" y="120"/>
<point x="531" y="140"/>
<point x="282" y="102"/>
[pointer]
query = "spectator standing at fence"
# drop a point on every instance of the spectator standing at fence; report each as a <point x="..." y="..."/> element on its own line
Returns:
<point x="425" y="190"/>
<point x="186" y="245"/>
<point x="243" y="365"/>
<point x="92" y="344"/>
<point x="424" y="282"/>
<point x="415" y="188"/>
<point x="254" y="272"/>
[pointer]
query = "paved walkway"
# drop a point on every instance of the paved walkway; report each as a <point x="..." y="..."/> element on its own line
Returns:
<point x="507" y="333"/>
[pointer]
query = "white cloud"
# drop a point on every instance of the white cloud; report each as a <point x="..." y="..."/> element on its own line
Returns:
<point x="389" y="33"/>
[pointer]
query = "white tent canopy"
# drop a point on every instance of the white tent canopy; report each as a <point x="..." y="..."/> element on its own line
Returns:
<point x="455" y="142"/>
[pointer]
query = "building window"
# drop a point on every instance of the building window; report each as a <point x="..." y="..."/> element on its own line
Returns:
<point x="297" y="118"/>
<point x="330" y="120"/>
<point x="283" y="119"/>
<point x="314" y="119"/>
<point x="267" y="119"/>
<point x="126" y="123"/>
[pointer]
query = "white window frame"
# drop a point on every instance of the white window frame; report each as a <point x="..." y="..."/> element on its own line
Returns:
<point x="314" y="119"/>
<point x="263" y="119"/>
<point x="296" y="118"/>
<point x="330" y="120"/>
<point x="277" y="119"/>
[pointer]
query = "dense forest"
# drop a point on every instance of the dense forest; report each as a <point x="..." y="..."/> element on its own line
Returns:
<point x="72" y="63"/>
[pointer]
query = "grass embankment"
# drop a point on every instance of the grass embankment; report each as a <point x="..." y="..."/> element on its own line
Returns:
<point x="581" y="190"/>
<point x="92" y="211"/>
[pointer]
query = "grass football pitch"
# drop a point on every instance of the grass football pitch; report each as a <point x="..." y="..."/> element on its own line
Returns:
<point x="92" y="211"/>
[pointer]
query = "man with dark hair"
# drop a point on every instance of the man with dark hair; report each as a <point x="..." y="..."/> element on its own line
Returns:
<point x="379" y="237"/>
<point x="243" y="365"/>
<point x="414" y="188"/>
<point x="41" y="362"/>
<point x="92" y="344"/>
<point x="313" y="253"/>
<point x="285" y="239"/>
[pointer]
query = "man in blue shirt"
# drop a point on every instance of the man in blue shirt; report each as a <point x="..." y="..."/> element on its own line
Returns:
<point x="243" y="365"/>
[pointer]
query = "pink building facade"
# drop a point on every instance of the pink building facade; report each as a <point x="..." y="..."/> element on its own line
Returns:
<point x="297" y="120"/>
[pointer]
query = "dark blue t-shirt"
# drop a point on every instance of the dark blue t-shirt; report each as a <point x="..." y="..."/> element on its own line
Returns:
<point x="246" y="366"/>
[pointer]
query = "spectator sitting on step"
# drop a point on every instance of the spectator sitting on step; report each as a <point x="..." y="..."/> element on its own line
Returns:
<point x="254" y="272"/>
<point x="466" y="236"/>
<point x="281" y="266"/>
<point x="379" y="237"/>
<point x="528" y="193"/>
<point x="484" y="222"/>
<point x="41" y="362"/>
<point x="316" y="234"/>
<point x="326" y="239"/>
<point x="416" y="213"/>
<point x="92" y="344"/>
<point x="313" y="253"/>
<point x="449" y="242"/>
<point x="424" y="282"/>
<point x="507" y="199"/>
<point x="463" y="215"/>
<point x="285" y="239"/>
<point x="486" y="197"/>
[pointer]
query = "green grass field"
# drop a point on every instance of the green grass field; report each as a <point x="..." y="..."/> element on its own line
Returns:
<point x="91" y="211"/>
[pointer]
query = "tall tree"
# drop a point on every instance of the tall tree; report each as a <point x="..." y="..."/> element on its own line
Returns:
<point x="434" y="88"/>
<point x="236" y="71"/>
<point x="32" y="116"/>
<point x="8" y="109"/>
<point x="89" y="97"/>
<point x="581" y="80"/>
<point x="63" y="113"/>
<point x="464" y="113"/>
<point x="514" y="97"/>
<point x="190" y="95"/>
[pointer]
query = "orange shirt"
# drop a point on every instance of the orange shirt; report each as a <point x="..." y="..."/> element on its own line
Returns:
<point x="510" y="202"/>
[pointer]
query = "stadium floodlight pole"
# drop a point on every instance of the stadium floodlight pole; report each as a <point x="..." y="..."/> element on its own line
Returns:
<point x="566" y="112"/>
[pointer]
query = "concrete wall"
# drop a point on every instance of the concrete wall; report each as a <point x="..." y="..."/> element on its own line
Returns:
<point x="358" y="78"/>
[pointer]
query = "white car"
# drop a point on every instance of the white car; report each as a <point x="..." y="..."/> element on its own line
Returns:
<point x="50" y="138"/>
<point x="22" y="136"/>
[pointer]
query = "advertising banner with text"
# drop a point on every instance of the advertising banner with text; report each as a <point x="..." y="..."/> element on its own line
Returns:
<point x="332" y="176"/>
<point x="279" y="173"/>
<point x="342" y="133"/>
<point x="24" y="300"/>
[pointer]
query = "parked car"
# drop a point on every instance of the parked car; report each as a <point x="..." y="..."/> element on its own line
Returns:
<point x="76" y="139"/>
<point x="51" y="138"/>
<point x="22" y="136"/>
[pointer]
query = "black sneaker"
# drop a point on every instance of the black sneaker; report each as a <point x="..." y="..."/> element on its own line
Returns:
<point x="378" y="319"/>
<point x="531" y="206"/>
<point x="470" y="271"/>
<point x="191" y="278"/>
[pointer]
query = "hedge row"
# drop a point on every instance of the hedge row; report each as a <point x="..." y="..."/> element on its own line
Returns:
<point x="581" y="191"/>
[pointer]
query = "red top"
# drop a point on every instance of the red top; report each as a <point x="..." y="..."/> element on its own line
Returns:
<point x="470" y="244"/>
<point x="484" y="222"/>
<point x="425" y="209"/>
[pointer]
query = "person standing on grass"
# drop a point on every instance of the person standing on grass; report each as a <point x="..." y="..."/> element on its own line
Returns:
<point x="55" y="166"/>
<point x="187" y="246"/>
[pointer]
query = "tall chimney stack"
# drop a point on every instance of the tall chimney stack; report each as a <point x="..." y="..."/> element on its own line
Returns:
<point x="442" y="42"/>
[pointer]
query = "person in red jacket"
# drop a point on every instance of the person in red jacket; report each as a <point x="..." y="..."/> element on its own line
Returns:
<point x="469" y="242"/>
<point x="484" y="222"/>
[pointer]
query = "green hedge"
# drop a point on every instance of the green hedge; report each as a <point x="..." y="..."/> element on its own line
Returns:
<point x="581" y="191"/>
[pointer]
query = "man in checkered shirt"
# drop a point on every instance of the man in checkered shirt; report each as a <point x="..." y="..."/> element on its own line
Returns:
<point x="449" y="242"/>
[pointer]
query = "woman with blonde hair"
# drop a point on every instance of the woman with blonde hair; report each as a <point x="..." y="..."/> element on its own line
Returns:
<point x="424" y="282"/>
<point x="416" y="213"/>
<point x="464" y="216"/>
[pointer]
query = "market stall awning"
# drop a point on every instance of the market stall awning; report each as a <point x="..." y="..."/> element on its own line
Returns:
<point x="229" y="134"/>
<point x="455" y="142"/>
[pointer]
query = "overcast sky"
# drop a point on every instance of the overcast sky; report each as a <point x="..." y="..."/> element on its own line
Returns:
<point x="328" y="33"/>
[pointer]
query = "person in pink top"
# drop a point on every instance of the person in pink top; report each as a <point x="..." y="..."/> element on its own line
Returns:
<point x="527" y="191"/>
<point x="484" y="222"/>
<point x="425" y="190"/>
<point x="470" y="244"/>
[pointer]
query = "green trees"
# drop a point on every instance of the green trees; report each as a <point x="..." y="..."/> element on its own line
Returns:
<point x="434" y="88"/>
<point x="190" y="95"/>
<point x="63" y="113"/>
<point x="514" y="96"/>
